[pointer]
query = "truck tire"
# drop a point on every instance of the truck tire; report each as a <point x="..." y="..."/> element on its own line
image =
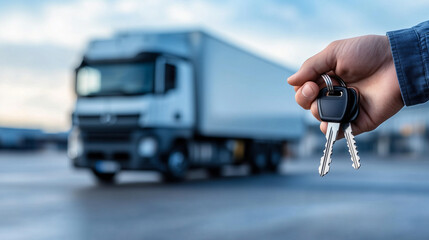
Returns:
<point x="104" y="178"/>
<point x="275" y="158"/>
<point x="259" y="159"/>
<point x="177" y="164"/>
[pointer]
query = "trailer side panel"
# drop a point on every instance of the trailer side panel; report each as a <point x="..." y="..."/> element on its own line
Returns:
<point x="242" y="95"/>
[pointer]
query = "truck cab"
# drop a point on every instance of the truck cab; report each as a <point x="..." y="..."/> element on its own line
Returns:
<point x="130" y="110"/>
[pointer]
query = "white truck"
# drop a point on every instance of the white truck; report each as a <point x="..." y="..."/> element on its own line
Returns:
<point x="172" y="101"/>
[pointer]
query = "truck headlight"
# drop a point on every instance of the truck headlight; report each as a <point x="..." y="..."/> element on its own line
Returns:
<point x="75" y="145"/>
<point x="147" y="147"/>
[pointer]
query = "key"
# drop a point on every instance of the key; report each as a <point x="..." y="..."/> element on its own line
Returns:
<point x="351" y="144"/>
<point x="333" y="108"/>
<point x="331" y="137"/>
<point x="347" y="128"/>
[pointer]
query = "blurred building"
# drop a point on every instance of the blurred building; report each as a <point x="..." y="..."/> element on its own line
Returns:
<point x="31" y="139"/>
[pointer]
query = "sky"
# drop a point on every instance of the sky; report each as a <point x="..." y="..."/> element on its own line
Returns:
<point x="41" y="42"/>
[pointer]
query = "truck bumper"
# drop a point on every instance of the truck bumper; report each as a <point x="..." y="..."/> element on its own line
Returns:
<point x="124" y="148"/>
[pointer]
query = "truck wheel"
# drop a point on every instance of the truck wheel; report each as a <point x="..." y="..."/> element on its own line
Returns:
<point x="259" y="159"/>
<point x="104" y="178"/>
<point x="275" y="159"/>
<point x="177" y="165"/>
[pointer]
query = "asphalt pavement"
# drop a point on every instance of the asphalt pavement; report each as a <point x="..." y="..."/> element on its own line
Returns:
<point x="43" y="197"/>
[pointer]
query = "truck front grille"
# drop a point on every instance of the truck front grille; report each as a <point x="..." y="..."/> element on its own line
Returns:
<point x="108" y="136"/>
<point x="108" y="119"/>
<point x="116" y="156"/>
<point x="94" y="155"/>
<point x="121" y="156"/>
<point x="109" y="143"/>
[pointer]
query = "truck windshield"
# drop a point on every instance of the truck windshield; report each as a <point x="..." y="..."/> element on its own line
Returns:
<point x="115" y="79"/>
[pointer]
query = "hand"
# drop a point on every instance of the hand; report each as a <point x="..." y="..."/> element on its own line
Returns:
<point x="364" y="63"/>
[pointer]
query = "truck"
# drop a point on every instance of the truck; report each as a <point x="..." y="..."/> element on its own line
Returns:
<point x="179" y="100"/>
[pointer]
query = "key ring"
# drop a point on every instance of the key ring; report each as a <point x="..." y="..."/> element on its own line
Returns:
<point x="329" y="83"/>
<point x="340" y="80"/>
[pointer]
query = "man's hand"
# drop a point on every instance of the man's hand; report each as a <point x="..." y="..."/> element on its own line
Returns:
<point x="364" y="63"/>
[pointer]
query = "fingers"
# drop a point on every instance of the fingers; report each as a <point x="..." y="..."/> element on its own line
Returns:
<point x="324" y="61"/>
<point x="314" y="110"/>
<point x="306" y="94"/>
<point x="324" y="128"/>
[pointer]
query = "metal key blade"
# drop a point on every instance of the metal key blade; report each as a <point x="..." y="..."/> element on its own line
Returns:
<point x="331" y="137"/>
<point x="351" y="143"/>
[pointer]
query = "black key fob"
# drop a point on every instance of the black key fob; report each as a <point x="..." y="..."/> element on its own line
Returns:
<point x="333" y="107"/>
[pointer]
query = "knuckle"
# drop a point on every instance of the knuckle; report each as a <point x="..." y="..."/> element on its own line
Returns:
<point x="306" y="63"/>
<point x="333" y="45"/>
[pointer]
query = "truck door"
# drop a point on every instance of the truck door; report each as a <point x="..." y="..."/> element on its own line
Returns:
<point x="174" y="93"/>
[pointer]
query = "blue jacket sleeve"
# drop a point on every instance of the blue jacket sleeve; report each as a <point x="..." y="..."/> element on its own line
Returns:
<point x="411" y="57"/>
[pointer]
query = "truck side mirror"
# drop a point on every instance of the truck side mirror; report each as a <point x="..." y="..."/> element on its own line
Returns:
<point x="170" y="77"/>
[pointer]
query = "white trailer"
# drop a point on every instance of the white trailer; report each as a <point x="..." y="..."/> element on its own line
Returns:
<point x="179" y="100"/>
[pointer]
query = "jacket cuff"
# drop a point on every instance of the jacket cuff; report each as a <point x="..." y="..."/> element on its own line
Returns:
<point x="408" y="59"/>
